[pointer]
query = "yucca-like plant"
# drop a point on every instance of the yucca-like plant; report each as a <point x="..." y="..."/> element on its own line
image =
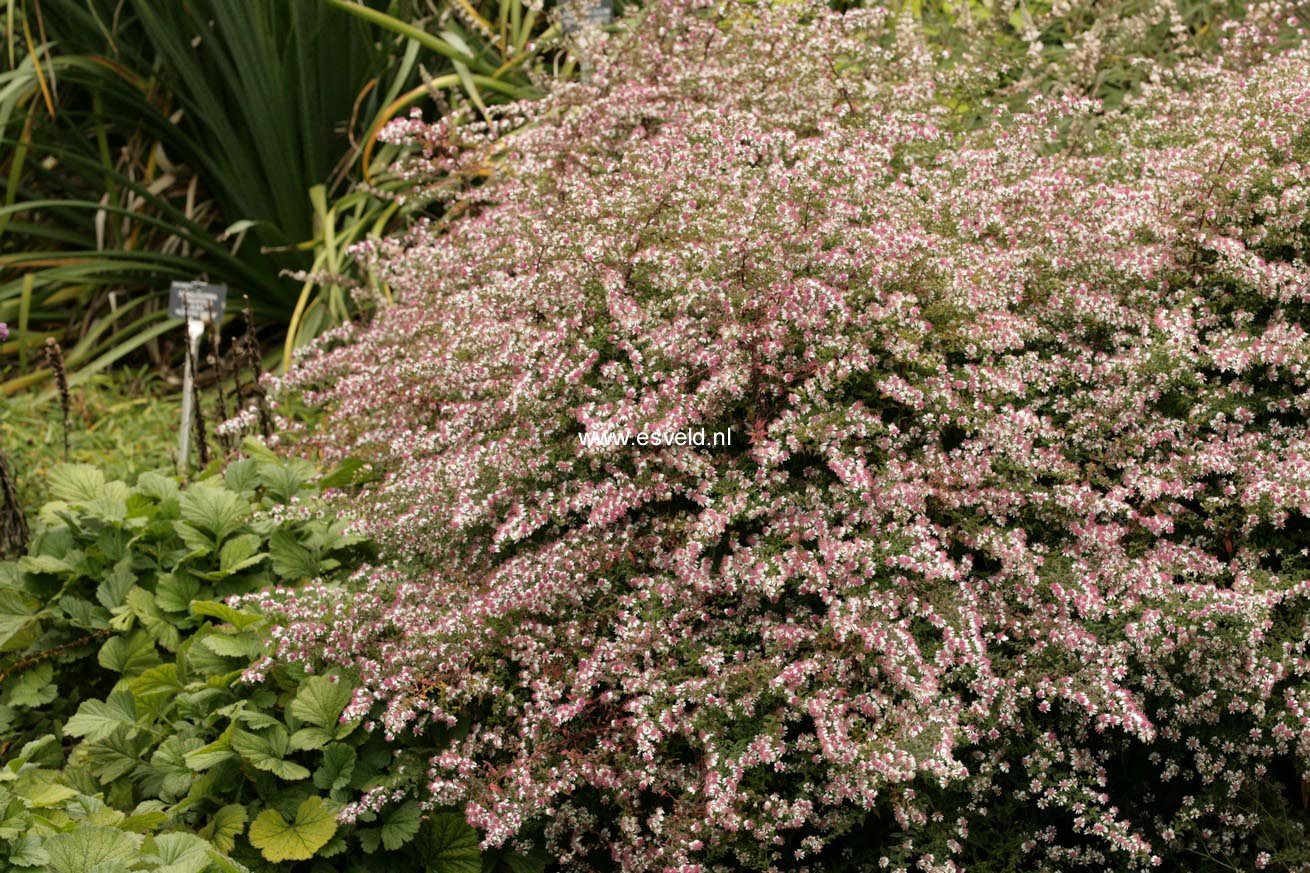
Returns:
<point x="144" y="142"/>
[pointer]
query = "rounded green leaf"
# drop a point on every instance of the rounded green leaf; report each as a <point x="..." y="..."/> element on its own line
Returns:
<point x="226" y="825"/>
<point x="90" y="845"/>
<point x="279" y="840"/>
<point x="446" y="844"/>
<point x="321" y="700"/>
<point x="75" y="483"/>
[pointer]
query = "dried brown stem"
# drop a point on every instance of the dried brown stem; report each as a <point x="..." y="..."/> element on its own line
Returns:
<point x="250" y="351"/>
<point x="49" y="653"/>
<point x="220" y="375"/>
<point x="13" y="523"/>
<point x="55" y="359"/>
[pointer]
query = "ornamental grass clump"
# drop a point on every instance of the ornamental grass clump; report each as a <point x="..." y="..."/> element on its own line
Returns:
<point x="1006" y="565"/>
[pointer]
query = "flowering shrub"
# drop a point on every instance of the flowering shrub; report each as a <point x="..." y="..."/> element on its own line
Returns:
<point x="1008" y="569"/>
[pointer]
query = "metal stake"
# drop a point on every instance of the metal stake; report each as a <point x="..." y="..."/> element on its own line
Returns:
<point x="195" y="329"/>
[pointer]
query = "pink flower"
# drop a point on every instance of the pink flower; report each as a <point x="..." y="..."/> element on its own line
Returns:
<point x="1022" y="410"/>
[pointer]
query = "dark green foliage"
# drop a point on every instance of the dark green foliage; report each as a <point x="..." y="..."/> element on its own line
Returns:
<point x="142" y="142"/>
<point x="166" y="123"/>
<point x="127" y="731"/>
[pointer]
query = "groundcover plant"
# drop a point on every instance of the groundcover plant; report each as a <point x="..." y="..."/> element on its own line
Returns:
<point x="1005" y="566"/>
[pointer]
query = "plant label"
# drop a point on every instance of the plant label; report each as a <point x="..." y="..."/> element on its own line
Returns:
<point x="196" y="301"/>
<point x="574" y="16"/>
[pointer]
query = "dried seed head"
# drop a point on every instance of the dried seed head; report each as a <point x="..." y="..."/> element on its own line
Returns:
<point x="13" y="522"/>
<point x="54" y="356"/>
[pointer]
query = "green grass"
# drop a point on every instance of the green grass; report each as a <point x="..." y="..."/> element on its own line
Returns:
<point x="124" y="423"/>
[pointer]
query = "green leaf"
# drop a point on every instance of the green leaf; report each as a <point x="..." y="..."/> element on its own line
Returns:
<point x="157" y="681"/>
<point x="171" y="774"/>
<point x="145" y="818"/>
<point x="291" y="560"/>
<point x="97" y="719"/>
<point x="337" y="767"/>
<point x="114" y="757"/>
<point x="15" y="618"/>
<point x="534" y="861"/>
<point x="239" y="553"/>
<point x="214" y="510"/>
<point x="83" y="849"/>
<point x="40" y="790"/>
<point x="175" y="591"/>
<point x="284" y="478"/>
<point x="254" y="448"/>
<point x="245" y="646"/>
<point x="143" y="606"/>
<point x="131" y="656"/>
<point x="289" y="771"/>
<point x="157" y="486"/>
<point x="226" y="825"/>
<point x="83" y="613"/>
<point x="180" y="853"/>
<point x="266" y="751"/>
<point x="223" y="612"/>
<point x="310" y="738"/>
<point x="111" y="541"/>
<point x="197" y="541"/>
<point x="215" y="753"/>
<point x="255" y="719"/>
<point x="370" y="839"/>
<point x="241" y="476"/>
<point x="27" y="852"/>
<point x="34" y="687"/>
<point x="400" y="825"/>
<point x="44" y="565"/>
<point x="44" y="751"/>
<point x="351" y="471"/>
<point x="321" y="700"/>
<point x="92" y="810"/>
<point x="75" y="483"/>
<point x="334" y="847"/>
<point x="278" y="840"/>
<point x="113" y="588"/>
<point x="218" y="672"/>
<point x="111" y="506"/>
<point x="223" y="864"/>
<point x="446" y="844"/>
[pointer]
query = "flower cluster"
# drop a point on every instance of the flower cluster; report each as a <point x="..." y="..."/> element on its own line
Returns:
<point x="1010" y="559"/>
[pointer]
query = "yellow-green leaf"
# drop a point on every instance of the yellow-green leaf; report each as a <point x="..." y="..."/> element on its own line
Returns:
<point x="279" y="840"/>
<point x="224" y="828"/>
